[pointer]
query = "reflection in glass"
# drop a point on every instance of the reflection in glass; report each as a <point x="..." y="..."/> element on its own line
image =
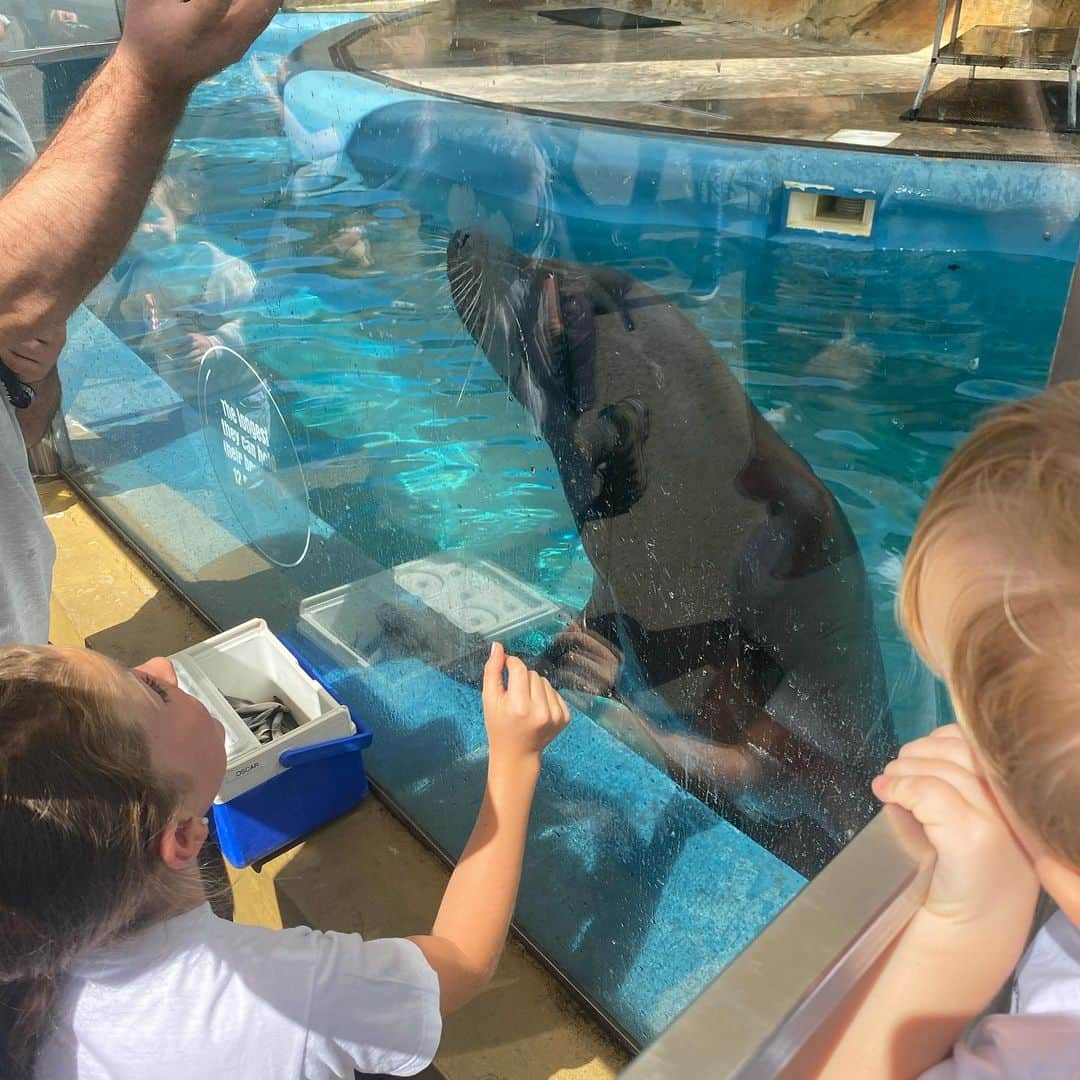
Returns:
<point x="591" y="390"/>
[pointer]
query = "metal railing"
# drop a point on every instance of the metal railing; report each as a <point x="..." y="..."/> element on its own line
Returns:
<point x="757" y="1016"/>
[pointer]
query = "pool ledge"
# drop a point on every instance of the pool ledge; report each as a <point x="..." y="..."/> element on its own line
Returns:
<point x="712" y="76"/>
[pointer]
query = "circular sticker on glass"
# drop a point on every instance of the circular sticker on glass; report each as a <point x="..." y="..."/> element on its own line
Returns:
<point x="253" y="456"/>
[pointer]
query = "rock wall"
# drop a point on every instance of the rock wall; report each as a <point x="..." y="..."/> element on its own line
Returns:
<point x="910" y="23"/>
<point x="892" y="24"/>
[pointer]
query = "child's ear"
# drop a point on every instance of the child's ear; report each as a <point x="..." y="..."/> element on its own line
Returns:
<point x="1061" y="881"/>
<point x="182" y="841"/>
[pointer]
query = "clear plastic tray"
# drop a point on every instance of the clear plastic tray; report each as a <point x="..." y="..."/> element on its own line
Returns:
<point x="473" y="596"/>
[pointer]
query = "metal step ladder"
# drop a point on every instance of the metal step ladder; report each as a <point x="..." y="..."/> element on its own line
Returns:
<point x="1048" y="48"/>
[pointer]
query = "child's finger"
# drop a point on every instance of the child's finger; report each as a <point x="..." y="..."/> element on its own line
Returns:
<point x="946" y="737"/>
<point x="556" y="705"/>
<point x="517" y="682"/>
<point x="943" y="736"/>
<point x="966" y="783"/>
<point x="160" y="668"/>
<point x="955" y="750"/>
<point x="493" y="688"/>
<point x="929" y="799"/>
<point x="536" y="689"/>
<point x="948" y="731"/>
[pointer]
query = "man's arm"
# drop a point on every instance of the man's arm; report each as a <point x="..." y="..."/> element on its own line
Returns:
<point x="65" y="222"/>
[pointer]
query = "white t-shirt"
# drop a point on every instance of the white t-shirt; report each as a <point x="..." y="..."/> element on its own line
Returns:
<point x="197" y="997"/>
<point x="1040" y="1038"/>
<point x="27" y="551"/>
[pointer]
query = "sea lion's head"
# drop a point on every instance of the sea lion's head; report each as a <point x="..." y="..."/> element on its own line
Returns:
<point x="534" y="319"/>
<point x="539" y="322"/>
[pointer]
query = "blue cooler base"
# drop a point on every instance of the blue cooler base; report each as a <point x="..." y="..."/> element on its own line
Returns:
<point x="283" y="810"/>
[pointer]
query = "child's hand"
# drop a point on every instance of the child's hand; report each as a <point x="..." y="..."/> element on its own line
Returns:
<point x="982" y="872"/>
<point x="523" y="716"/>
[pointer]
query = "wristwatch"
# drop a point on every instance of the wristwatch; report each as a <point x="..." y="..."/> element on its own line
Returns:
<point x="19" y="394"/>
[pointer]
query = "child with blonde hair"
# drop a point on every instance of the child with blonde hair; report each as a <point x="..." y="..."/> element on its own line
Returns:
<point x="991" y="599"/>
<point x="111" y="962"/>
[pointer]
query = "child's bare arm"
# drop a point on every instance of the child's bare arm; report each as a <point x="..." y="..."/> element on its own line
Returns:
<point x="959" y="948"/>
<point x="470" y="929"/>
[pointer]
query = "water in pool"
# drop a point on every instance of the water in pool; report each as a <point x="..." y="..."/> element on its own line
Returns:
<point x="871" y="364"/>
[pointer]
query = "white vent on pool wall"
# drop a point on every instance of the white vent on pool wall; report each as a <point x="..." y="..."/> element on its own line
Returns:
<point x="820" y="209"/>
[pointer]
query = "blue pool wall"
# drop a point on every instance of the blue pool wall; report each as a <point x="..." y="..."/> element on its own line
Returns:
<point x="603" y="192"/>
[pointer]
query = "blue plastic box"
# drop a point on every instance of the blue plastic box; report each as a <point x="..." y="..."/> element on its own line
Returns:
<point x="276" y="793"/>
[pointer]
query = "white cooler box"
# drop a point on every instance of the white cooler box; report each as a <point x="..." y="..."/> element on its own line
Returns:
<point x="277" y="792"/>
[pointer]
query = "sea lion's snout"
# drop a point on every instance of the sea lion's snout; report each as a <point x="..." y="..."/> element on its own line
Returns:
<point x="505" y="302"/>
<point x="480" y="291"/>
<point x="463" y="271"/>
<point x="462" y="244"/>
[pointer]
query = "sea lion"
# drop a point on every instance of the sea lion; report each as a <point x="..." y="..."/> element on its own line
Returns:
<point x="731" y="610"/>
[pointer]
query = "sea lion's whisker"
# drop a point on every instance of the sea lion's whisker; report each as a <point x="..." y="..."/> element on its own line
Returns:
<point x="464" y="286"/>
<point x="535" y="406"/>
<point x="474" y="303"/>
<point x="487" y="327"/>
<point x="463" y="273"/>
<point x="472" y="363"/>
<point x="465" y="384"/>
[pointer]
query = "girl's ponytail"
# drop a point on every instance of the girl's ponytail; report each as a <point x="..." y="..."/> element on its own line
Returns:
<point x="81" y="814"/>
<point x="25" y="1009"/>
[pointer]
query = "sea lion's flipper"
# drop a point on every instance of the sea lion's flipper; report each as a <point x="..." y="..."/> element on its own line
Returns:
<point x="584" y="660"/>
<point x="623" y="471"/>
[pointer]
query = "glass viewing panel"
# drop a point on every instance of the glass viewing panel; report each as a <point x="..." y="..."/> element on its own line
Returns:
<point x="30" y="25"/>
<point x="468" y="324"/>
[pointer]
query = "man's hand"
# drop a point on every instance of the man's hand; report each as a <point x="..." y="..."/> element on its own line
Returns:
<point x="175" y="44"/>
<point x="523" y="716"/>
<point x="982" y="873"/>
<point x="194" y="347"/>
<point x="34" y="360"/>
<point x="67" y="219"/>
